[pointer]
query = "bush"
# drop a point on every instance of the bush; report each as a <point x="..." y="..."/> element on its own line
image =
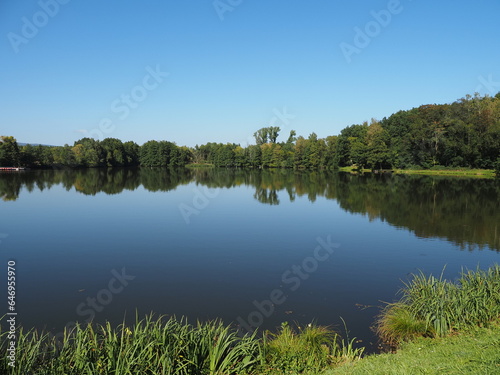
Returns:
<point x="397" y="324"/>
<point x="497" y="168"/>
<point x="309" y="349"/>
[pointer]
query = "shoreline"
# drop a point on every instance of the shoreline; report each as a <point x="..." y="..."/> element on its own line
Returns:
<point x="476" y="173"/>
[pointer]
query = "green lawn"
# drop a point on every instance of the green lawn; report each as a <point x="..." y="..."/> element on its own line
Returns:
<point x="474" y="352"/>
<point x="480" y="173"/>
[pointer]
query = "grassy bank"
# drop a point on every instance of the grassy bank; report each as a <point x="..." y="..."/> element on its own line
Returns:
<point x="479" y="173"/>
<point x="464" y="172"/>
<point x="438" y="327"/>
<point x="174" y="347"/>
<point x="476" y="351"/>
<point x="438" y="171"/>
<point x="354" y="170"/>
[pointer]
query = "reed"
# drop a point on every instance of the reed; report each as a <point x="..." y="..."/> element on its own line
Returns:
<point x="150" y="346"/>
<point x="159" y="346"/>
<point x="433" y="306"/>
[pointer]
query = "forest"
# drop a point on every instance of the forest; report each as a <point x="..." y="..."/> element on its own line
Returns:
<point x="463" y="134"/>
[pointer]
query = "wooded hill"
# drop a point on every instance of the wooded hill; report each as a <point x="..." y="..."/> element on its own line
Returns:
<point x="465" y="133"/>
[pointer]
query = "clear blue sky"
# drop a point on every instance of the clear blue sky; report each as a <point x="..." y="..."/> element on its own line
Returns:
<point x="231" y="71"/>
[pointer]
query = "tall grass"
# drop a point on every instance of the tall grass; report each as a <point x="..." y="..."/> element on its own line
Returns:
<point x="149" y="347"/>
<point x="308" y="349"/>
<point x="433" y="306"/>
<point x="154" y="346"/>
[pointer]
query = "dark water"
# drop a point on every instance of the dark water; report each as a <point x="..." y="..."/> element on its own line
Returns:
<point x="250" y="247"/>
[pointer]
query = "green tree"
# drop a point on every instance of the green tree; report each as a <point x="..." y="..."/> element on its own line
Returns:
<point x="273" y="132"/>
<point x="254" y="156"/>
<point x="113" y="152"/>
<point x="132" y="152"/>
<point x="27" y="156"/>
<point x="267" y="155"/>
<point x="300" y="158"/>
<point x="291" y="138"/>
<point x="63" y="156"/>
<point x="312" y="152"/>
<point x="377" y="152"/>
<point x="90" y="153"/>
<point x="148" y="154"/>
<point x="261" y="136"/>
<point x="330" y="152"/>
<point x="351" y="145"/>
<point x="9" y="152"/>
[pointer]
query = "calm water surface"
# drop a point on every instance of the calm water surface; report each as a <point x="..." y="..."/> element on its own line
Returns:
<point x="209" y="244"/>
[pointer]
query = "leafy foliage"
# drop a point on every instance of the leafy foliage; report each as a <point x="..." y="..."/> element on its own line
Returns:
<point x="465" y="133"/>
<point x="88" y="153"/>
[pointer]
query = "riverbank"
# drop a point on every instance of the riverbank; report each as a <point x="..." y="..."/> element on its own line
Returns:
<point x="200" y="165"/>
<point x="479" y="173"/>
<point x="173" y="346"/>
<point x="460" y="172"/>
<point x="476" y="351"/>
<point x="438" y="326"/>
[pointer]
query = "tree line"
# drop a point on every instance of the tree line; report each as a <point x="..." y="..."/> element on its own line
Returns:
<point x="465" y="133"/>
<point x="88" y="152"/>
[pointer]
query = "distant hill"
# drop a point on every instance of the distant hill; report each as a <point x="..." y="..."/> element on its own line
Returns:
<point x="33" y="144"/>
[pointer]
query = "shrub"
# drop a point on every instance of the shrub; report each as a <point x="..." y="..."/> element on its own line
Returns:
<point x="309" y="349"/>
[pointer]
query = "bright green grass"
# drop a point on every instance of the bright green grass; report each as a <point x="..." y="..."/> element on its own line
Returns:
<point x="476" y="352"/>
<point x="478" y="173"/>
<point x="175" y="347"/>
<point x="353" y="170"/>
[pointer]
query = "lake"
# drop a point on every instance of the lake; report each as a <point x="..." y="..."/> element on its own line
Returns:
<point x="254" y="248"/>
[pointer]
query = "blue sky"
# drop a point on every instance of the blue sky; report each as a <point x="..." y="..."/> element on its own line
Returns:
<point x="70" y="69"/>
